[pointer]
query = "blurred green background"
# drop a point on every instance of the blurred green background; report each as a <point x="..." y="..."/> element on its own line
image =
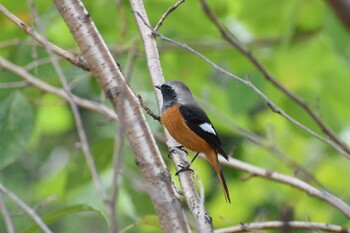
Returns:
<point x="302" y="43"/>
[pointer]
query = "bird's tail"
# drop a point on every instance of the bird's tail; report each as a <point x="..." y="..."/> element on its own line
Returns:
<point x="213" y="159"/>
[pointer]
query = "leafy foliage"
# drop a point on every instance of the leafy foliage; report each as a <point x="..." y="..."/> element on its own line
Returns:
<point x="302" y="44"/>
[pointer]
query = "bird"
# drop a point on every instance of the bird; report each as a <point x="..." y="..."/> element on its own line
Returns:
<point x="190" y="126"/>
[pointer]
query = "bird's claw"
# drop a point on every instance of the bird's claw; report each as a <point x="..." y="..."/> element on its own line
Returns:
<point x="184" y="168"/>
<point x="173" y="149"/>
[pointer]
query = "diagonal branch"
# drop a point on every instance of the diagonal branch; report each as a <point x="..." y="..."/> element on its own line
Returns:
<point x="171" y="9"/>
<point x="234" y="42"/>
<point x="90" y="105"/>
<point x="26" y="209"/>
<point x="72" y="58"/>
<point x="7" y="217"/>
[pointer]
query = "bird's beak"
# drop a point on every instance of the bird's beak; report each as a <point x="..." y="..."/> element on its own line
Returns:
<point x="158" y="87"/>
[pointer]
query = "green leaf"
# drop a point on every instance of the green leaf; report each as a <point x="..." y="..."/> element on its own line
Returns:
<point x="16" y="123"/>
<point x="57" y="215"/>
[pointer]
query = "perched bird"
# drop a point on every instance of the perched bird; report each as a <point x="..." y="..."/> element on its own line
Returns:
<point x="189" y="125"/>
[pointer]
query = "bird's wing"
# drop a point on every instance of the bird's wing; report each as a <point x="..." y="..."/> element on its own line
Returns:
<point x="198" y="121"/>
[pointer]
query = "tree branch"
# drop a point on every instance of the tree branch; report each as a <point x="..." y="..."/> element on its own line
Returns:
<point x="248" y="83"/>
<point x="195" y="204"/>
<point x="292" y="181"/>
<point x="9" y="85"/>
<point x="8" y="221"/>
<point x="87" y="104"/>
<point x="171" y="9"/>
<point x="75" y="60"/>
<point x="296" y="225"/>
<point x="25" y="208"/>
<point x="113" y="197"/>
<point x="112" y="81"/>
<point x="234" y="42"/>
<point x="265" y="143"/>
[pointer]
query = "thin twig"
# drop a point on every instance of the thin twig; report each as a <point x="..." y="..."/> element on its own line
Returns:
<point x="295" y="225"/>
<point x="170" y="9"/>
<point x="37" y="207"/>
<point x="37" y="63"/>
<point x="292" y="181"/>
<point x="75" y="60"/>
<point x="132" y="56"/>
<point x="265" y="144"/>
<point x="7" y="217"/>
<point x="112" y="200"/>
<point x="201" y="216"/>
<point x="46" y="202"/>
<point x="147" y="109"/>
<point x="26" y="209"/>
<point x="78" y="121"/>
<point x="9" y="43"/>
<point x="234" y="42"/>
<point x="200" y="185"/>
<point x="248" y="83"/>
<point x="123" y="21"/>
<point x="90" y="105"/>
<point x="18" y="84"/>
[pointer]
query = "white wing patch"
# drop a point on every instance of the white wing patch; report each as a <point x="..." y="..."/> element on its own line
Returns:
<point x="207" y="128"/>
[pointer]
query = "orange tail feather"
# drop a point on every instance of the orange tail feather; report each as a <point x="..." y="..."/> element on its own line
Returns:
<point x="213" y="159"/>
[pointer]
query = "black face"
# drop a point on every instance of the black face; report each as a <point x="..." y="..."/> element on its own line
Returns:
<point x="169" y="96"/>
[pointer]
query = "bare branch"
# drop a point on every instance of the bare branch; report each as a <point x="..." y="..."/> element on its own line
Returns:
<point x="124" y="24"/>
<point x="202" y="218"/>
<point x="26" y="209"/>
<point x="45" y="202"/>
<point x="234" y="42"/>
<point x="248" y="83"/>
<point x="9" y="85"/>
<point x="148" y="110"/>
<point x="112" y="200"/>
<point x="7" y="217"/>
<point x="78" y="122"/>
<point x="37" y="63"/>
<point x="171" y="9"/>
<point x="75" y="60"/>
<point x="9" y="43"/>
<point x="132" y="56"/>
<point x="295" y="225"/>
<point x="90" y="105"/>
<point x="292" y="181"/>
<point x="264" y="143"/>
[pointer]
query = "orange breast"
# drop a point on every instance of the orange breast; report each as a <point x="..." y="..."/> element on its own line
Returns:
<point x="175" y="124"/>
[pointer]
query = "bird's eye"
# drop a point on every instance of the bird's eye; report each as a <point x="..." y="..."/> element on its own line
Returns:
<point x="168" y="89"/>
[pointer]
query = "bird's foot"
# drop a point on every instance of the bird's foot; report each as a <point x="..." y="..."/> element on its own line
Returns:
<point x="183" y="168"/>
<point x="173" y="149"/>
